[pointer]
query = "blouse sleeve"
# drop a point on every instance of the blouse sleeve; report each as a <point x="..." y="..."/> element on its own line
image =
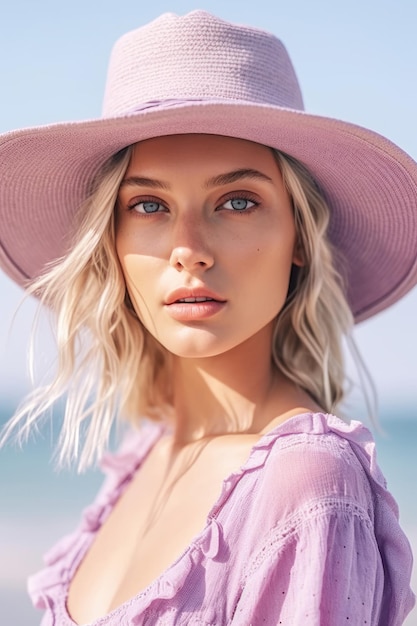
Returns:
<point x="323" y="568"/>
<point x="333" y="552"/>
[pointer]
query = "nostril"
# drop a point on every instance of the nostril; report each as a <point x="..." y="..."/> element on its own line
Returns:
<point x="188" y="258"/>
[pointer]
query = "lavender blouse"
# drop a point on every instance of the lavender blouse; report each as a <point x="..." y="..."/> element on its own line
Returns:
<point x="304" y="534"/>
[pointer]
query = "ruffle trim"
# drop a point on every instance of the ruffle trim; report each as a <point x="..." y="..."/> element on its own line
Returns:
<point x="64" y="557"/>
<point x="49" y="586"/>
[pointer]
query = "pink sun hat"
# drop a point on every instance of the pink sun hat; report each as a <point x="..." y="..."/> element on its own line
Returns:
<point x="200" y="74"/>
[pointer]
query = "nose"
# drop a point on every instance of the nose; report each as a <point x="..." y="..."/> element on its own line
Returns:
<point x="190" y="245"/>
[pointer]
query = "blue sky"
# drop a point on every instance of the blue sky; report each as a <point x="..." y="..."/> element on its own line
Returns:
<point x="355" y="60"/>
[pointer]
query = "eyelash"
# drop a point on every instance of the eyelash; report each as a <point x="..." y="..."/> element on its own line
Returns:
<point x="137" y="201"/>
<point x="240" y="195"/>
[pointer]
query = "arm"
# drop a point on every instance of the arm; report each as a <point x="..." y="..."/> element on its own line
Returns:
<point x="322" y="568"/>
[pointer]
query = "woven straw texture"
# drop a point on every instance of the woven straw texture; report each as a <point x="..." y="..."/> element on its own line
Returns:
<point x="199" y="74"/>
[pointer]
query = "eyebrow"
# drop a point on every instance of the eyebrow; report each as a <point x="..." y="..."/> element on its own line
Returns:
<point x="235" y="175"/>
<point x="215" y="181"/>
<point x="143" y="181"/>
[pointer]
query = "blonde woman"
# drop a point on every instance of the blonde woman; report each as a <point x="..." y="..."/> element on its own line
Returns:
<point x="205" y="248"/>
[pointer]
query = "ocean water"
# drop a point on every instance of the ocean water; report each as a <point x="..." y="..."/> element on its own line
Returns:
<point x="38" y="505"/>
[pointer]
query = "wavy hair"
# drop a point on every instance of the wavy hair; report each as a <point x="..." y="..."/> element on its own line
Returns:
<point x="307" y="343"/>
<point x="99" y="337"/>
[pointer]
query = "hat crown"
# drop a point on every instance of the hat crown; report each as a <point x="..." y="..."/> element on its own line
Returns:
<point x="198" y="56"/>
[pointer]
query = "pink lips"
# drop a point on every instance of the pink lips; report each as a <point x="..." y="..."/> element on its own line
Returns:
<point x="193" y="304"/>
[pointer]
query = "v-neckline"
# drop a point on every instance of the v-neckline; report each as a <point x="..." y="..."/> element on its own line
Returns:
<point x="208" y="536"/>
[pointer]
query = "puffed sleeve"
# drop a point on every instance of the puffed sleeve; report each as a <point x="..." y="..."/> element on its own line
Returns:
<point x="323" y="568"/>
<point x="332" y="552"/>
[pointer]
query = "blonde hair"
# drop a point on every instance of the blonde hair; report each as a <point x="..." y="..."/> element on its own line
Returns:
<point x="99" y="337"/>
<point x="307" y="344"/>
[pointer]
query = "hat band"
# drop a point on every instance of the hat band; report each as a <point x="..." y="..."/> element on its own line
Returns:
<point x="165" y="103"/>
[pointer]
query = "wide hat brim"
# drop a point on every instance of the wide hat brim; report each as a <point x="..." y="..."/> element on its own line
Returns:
<point x="369" y="183"/>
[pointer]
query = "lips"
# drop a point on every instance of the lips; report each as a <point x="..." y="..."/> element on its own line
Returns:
<point x="201" y="299"/>
<point x="193" y="305"/>
<point x="191" y="296"/>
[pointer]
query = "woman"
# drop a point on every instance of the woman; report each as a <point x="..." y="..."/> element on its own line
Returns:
<point x="206" y="247"/>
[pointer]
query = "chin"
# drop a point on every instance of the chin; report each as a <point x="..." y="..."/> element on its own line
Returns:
<point x="197" y="352"/>
<point x="204" y="347"/>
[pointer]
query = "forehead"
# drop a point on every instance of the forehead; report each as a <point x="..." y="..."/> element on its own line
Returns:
<point x="198" y="150"/>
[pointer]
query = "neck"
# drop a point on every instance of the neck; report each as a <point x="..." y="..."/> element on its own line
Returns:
<point x="240" y="391"/>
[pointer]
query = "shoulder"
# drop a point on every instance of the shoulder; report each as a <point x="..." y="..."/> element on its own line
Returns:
<point x="315" y="458"/>
<point x="324" y="523"/>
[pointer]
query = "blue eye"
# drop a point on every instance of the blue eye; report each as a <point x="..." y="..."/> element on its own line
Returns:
<point x="238" y="204"/>
<point x="147" y="207"/>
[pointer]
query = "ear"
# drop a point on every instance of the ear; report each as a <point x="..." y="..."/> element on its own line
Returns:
<point x="298" y="255"/>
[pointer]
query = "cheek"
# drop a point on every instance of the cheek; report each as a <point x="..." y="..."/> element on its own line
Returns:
<point x="274" y="256"/>
<point x="142" y="278"/>
<point x="270" y="269"/>
<point x="125" y="263"/>
<point x="135" y="271"/>
<point x="127" y="250"/>
<point x="121" y="242"/>
<point x="130" y="264"/>
<point x="139" y="285"/>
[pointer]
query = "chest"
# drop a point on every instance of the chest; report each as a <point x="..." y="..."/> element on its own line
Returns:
<point x="161" y="511"/>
